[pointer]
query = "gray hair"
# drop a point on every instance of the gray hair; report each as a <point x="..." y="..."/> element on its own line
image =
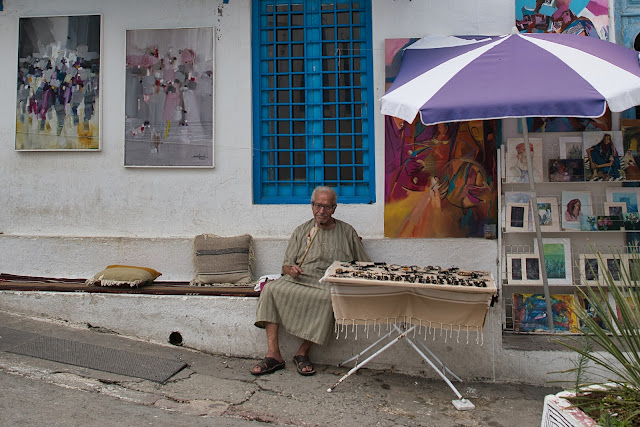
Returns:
<point x="324" y="189"/>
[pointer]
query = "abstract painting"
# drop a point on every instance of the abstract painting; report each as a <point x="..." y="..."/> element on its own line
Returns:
<point x="169" y="98"/>
<point x="58" y="84"/>
<point x="530" y="313"/>
<point x="440" y="181"/>
<point x="627" y="195"/>
<point x="566" y="170"/>
<point x="602" y="152"/>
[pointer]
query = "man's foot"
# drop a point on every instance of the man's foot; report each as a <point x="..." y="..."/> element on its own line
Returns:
<point x="304" y="365"/>
<point x="267" y="365"/>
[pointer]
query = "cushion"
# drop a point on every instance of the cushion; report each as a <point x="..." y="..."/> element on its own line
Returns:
<point x="222" y="261"/>
<point x="124" y="275"/>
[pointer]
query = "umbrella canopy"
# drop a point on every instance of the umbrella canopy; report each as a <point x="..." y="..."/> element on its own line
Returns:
<point x="448" y="79"/>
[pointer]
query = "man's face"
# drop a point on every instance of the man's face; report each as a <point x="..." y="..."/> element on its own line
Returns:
<point x="323" y="208"/>
<point x="522" y="161"/>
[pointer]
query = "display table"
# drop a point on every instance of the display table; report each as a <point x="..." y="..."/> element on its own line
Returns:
<point x="406" y="299"/>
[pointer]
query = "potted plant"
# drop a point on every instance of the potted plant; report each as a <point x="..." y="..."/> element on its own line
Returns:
<point x="610" y="322"/>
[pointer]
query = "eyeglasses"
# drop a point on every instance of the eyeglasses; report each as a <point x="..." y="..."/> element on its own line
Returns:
<point x="318" y="206"/>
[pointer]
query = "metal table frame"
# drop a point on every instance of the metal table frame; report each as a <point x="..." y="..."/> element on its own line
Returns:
<point x="402" y="334"/>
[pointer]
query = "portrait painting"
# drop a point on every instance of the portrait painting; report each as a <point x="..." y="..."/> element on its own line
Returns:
<point x="169" y="77"/>
<point x="566" y="170"/>
<point x="630" y="140"/>
<point x="440" y="180"/>
<point x="603" y="154"/>
<point x="530" y="313"/>
<point x="58" y="84"/>
<point x="557" y="260"/>
<point x="626" y="195"/>
<point x="570" y="147"/>
<point x="516" y="160"/>
<point x="575" y="205"/>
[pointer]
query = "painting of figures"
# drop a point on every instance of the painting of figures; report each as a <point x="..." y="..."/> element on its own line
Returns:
<point x="603" y="156"/>
<point x="530" y="313"/>
<point x="440" y="181"/>
<point x="630" y="142"/>
<point x="58" y="84"/>
<point x="169" y="98"/>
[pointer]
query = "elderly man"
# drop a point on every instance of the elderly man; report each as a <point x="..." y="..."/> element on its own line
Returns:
<point x="297" y="301"/>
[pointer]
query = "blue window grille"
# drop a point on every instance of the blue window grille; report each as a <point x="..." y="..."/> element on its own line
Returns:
<point x="313" y="100"/>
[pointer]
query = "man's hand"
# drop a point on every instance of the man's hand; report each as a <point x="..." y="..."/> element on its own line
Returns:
<point x="292" y="270"/>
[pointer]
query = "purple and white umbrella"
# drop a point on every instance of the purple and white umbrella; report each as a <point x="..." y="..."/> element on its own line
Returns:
<point x="447" y="78"/>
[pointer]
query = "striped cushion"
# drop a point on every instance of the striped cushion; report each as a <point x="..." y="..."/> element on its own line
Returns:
<point x="223" y="261"/>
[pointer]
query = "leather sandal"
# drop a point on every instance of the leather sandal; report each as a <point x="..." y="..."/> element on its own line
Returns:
<point x="268" y="365"/>
<point x="304" y="362"/>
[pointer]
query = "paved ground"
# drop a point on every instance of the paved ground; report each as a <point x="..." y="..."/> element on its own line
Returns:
<point x="219" y="390"/>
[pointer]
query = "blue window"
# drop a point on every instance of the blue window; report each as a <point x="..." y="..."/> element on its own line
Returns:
<point x="313" y="100"/>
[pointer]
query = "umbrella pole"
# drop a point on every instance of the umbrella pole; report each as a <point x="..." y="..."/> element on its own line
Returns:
<point x="536" y="221"/>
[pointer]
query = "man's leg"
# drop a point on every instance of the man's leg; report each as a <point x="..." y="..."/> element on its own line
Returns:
<point x="273" y="346"/>
<point x="303" y="351"/>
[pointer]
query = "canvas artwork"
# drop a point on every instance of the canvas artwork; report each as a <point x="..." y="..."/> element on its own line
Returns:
<point x="557" y="260"/>
<point x="631" y="220"/>
<point x="593" y="314"/>
<point x="616" y="210"/>
<point x="630" y="141"/>
<point x="588" y="223"/>
<point x="530" y="313"/>
<point x="169" y="97"/>
<point x="603" y="153"/>
<point x="581" y="17"/>
<point x="532" y="270"/>
<point x="626" y="195"/>
<point x="58" y="84"/>
<point x="566" y="170"/>
<point x="575" y="205"/>
<point x="570" y="147"/>
<point x="548" y="214"/>
<point x="589" y="269"/>
<point x="517" y="197"/>
<point x="440" y="181"/>
<point x="515" y="268"/>
<point x="516" y="160"/>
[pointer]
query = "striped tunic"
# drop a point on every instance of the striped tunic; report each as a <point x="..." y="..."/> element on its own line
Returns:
<point x="302" y="306"/>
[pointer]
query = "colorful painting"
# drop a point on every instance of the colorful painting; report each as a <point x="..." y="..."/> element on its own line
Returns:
<point x="603" y="156"/>
<point x="440" y="181"/>
<point x="630" y="141"/>
<point x="58" y="84"/>
<point x="627" y="195"/>
<point x="169" y="98"/>
<point x="581" y="17"/>
<point x="530" y="313"/>
<point x="591" y="312"/>
<point x="575" y="205"/>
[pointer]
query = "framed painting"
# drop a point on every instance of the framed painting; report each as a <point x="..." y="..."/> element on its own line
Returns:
<point x="631" y="221"/>
<point x="516" y="160"/>
<point x="589" y="269"/>
<point x="169" y="114"/>
<point x="591" y="312"/>
<point x="630" y="141"/>
<point x="626" y="195"/>
<point x="557" y="260"/>
<point x="548" y="213"/>
<point x="615" y="267"/>
<point x="566" y="170"/>
<point x="588" y="223"/>
<point x="575" y="205"/>
<point x="58" y="102"/>
<point x="616" y="211"/>
<point x="570" y="147"/>
<point x="530" y="313"/>
<point x="532" y="275"/>
<point x="603" y="153"/>
<point x="515" y="269"/>
<point x="517" y="217"/>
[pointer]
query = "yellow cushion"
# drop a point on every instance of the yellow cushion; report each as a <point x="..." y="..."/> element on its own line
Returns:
<point x="123" y="275"/>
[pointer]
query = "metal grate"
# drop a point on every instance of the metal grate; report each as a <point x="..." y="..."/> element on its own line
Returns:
<point x="314" y="100"/>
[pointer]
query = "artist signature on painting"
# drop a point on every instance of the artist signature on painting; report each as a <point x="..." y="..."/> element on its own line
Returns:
<point x="200" y="156"/>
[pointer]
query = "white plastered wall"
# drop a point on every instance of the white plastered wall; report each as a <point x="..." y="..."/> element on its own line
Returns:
<point x="70" y="214"/>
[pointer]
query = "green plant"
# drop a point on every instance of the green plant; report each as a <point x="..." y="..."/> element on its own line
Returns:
<point x="615" y="328"/>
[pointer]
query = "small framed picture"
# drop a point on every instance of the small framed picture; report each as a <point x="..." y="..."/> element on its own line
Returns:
<point x="589" y="223"/>
<point x="608" y="223"/>
<point x="612" y="267"/>
<point x="616" y="209"/>
<point x="548" y="213"/>
<point x="570" y="147"/>
<point x="532" y="270"/>
<point x="631" y="221"/>
<point x="515" y="268"/>
<point x="627" y="195"/>
<point x="557" y="260"/>
<point x="566" y="170"/>
<point x="589" y="269"/>
<point x="517" y="217"/>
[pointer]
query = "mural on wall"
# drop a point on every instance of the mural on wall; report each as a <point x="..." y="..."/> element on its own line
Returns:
<point x="440" y="181"/>
<point x="58" y="102"/>
<point x="169" y="97"/>
<point x="581" y="17"/>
